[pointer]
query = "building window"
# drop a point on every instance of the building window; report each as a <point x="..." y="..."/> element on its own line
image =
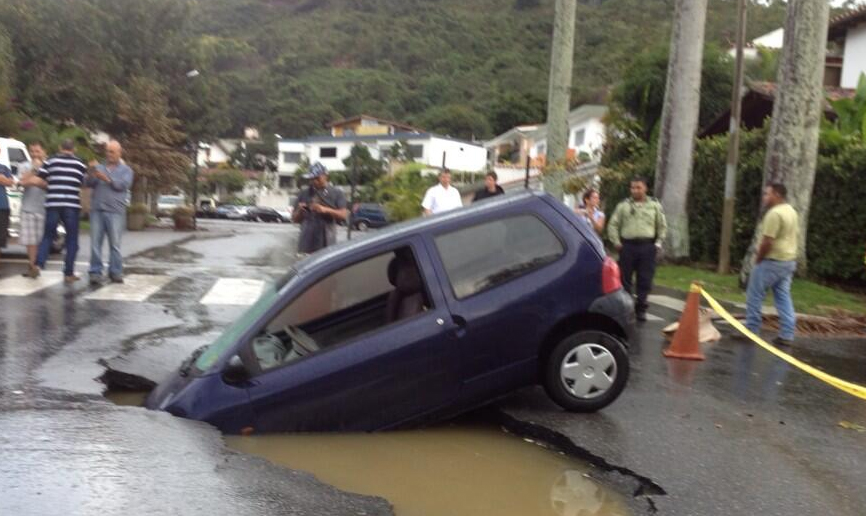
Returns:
<point x="328" y="152"/>
<point x="416" y="151"/>
<point x="540" y="149"/>
<point x="292" y="157"/>
<point x="579" y="138"/>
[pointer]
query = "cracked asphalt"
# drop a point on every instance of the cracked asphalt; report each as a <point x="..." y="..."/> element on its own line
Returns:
<point x="740" y="433"/>
<point x="67" y="450"/>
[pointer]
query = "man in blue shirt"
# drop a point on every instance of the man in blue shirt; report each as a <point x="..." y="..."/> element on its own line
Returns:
<point x="6" y="179"/>
<point x="110" y="183"/>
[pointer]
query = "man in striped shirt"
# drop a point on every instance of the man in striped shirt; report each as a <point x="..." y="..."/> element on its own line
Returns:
<point x="64" y="173"/>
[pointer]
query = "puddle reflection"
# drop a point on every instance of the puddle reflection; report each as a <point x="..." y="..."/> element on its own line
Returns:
<point x="455" y="470"/>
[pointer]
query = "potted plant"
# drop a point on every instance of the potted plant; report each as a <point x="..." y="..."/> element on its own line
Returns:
<point x="136" y="216"/>
<point x="183" y="218"/>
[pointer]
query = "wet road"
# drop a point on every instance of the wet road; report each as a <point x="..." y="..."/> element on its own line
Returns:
<point x="66" y="450"/>
<point x="740" y="433"/>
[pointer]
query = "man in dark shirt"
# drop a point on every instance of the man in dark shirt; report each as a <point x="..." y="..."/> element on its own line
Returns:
<point x="64" y="173"/>
<point x="491" y="188"/>
<point x="318" y="209"/>
<point x="6" y="179"/>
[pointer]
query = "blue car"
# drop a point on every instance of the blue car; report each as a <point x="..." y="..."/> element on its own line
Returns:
<point x="367" y="215"/>
<point x="422" y="321"/>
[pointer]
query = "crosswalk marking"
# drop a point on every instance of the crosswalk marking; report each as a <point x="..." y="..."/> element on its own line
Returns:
<point x="233" y="291"/>
<point x="136" y="287"/>
<point x="21" y="286"/>
<point x="651" y="317"/>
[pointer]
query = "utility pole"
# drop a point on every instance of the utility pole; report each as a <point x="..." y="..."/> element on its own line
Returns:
<point x="733" y="146"/>
<point x="195" y="148"/>
<point x="559" y="94"/>
<point x="353" y="182"/>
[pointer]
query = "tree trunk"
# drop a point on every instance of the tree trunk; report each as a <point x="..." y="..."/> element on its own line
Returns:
<point x="559" y="98"/>
<point x="680" y="121"/>
<point x="792" y="145"/>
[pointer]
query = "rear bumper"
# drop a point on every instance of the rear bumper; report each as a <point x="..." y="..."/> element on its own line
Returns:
<point x="618" y="306"/>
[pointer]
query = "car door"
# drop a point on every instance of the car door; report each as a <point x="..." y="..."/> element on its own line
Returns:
<point x="502" y="279"/>
<point x="372" y="381"/>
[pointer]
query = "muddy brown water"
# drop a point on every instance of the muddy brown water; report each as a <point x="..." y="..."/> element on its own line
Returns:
<point x="465" y="468"/>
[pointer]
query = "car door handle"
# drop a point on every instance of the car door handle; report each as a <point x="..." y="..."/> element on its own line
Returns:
<point x="459" y="321"/>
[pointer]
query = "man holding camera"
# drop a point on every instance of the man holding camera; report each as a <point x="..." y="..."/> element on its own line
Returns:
<point x="318" y="209"/>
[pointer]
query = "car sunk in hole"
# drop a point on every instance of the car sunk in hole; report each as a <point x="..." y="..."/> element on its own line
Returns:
<point x="422" y="321"/>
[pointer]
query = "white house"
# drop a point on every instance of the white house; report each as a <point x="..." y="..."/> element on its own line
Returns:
<point x="847" y="37"/>
<point x="771" y="40"/>
<point x="218" y="152"/>
<point x="429" y="149"/>
<point x="586" y="133"/>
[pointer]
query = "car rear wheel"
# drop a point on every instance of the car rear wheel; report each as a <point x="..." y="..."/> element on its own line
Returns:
<point x="586" y="371"/>
<point x="363" y="225"/>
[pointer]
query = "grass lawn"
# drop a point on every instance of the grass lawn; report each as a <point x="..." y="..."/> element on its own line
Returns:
<point x="83" y="227"/>
<point x="809" y="297"/>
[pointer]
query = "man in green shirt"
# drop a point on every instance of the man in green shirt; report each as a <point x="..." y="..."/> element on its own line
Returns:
<point x="775" y="264"/>
<point x="637" y="230"/>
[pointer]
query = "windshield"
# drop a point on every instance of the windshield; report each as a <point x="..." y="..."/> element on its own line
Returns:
<point x="170" y="200"/>
<point x="231" y="335"/>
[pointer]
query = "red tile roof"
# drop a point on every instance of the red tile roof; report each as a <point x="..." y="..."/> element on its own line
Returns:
<point x="839" y="24"/>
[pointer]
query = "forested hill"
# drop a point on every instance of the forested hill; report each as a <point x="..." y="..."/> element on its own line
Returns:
<point x="462" y="67"/>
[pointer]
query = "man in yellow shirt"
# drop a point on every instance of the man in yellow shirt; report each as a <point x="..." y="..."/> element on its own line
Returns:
<point x="775" y="264"/>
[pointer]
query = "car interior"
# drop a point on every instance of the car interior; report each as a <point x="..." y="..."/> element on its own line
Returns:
<point x="355" y="300"/>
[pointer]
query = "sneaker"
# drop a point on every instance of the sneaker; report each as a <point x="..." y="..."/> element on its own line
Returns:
<point x="70" y="279"/>
<point x="32" y="272"/>
<point x="116" y="279"/>
<point x="779" y="341"/>
<point x="95" y="280"/>
<point x="640" y="316"/>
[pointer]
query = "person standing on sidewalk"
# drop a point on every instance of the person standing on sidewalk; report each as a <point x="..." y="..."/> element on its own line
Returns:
<point x="442" y="197"/>
<point x="110" y="182"/>
<point x="775" y="264"/>
<point x="637" y="229"/>
<point x="64" y="173"/>
<point x="491" y="188"/>
<point x="318" y="209"/>
<point x="33" y="205"/>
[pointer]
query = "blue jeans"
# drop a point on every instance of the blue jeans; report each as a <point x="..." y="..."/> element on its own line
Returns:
<point x="776" y="275"/>
<point x="69" y="217"/>
<point x="104" y="223"/>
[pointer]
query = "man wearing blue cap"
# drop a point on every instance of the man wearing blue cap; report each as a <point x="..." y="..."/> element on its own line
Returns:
<point x="318" y="209"/>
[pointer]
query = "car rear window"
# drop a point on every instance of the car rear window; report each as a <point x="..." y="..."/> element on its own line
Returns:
<point x="489" y="254"/>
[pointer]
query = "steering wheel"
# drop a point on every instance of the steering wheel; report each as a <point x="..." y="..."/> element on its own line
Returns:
<point x="301" y="339"/>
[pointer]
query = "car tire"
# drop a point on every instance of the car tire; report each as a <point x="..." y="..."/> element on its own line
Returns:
<point x="586" y="371"/>
<point x="362" y="225"/>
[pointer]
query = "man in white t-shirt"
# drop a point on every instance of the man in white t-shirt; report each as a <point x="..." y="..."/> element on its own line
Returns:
<point x="442" y="197"/>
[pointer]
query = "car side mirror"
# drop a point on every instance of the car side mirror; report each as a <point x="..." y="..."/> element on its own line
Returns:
<point x="235" y="371"/>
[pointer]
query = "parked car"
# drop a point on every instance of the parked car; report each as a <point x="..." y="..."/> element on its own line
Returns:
<point x="206" y="209"/>
<point x="13" y="153"/>
<point x="285" y="213"/>
<point x="263" y="214"/>
<point x="166" y="204"/>
<point x="223" y="209"/>
<point x="238" y="213"/>
<point x="422" y="321"/>
<point x="367" y="215"/>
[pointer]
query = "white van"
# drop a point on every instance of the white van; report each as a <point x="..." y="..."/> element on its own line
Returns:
<point x="12" y="154"/>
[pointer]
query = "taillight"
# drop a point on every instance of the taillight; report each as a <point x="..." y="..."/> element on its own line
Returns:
<point x="611" y="281"/>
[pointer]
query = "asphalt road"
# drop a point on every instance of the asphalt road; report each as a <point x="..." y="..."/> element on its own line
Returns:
<point x="66" y="450"/>
<point x="740" y="433"/>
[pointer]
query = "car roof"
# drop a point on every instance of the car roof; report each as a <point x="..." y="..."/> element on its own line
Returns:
<point x="419" y="225"/>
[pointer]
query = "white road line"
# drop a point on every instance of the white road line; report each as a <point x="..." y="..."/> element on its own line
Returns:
<point x="233" y="291"/>
<point x="651" y="317"/>
<point x="135" y="287"/>
<point x="668" y="302"/>
<point x="21" y="286"/>
<point x="49" y="262"/>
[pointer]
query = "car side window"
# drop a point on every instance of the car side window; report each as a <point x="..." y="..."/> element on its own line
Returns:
<point x="362" y="297"/>
<point x="489" y="254"/>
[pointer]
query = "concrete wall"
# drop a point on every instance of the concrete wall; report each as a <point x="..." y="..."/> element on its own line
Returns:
<point x="854" y="62"/>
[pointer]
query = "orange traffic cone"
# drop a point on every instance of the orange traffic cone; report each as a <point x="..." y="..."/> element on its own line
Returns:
<point x="685" y="343"/>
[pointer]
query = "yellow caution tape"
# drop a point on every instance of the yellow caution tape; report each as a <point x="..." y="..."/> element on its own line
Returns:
<point x="851" y="388"/>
